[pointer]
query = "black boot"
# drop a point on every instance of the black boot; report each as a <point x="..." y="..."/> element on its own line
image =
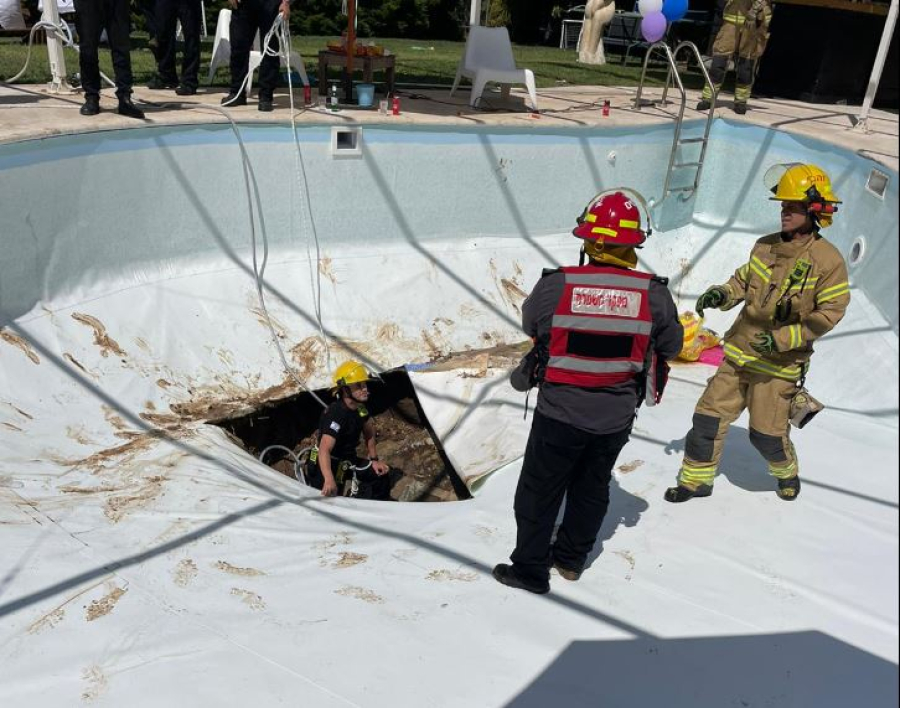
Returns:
<point x="91" y="106"/>
<point x="679" y="494"/>
<point x="232" y="100"/>
<point x="740" y="108"/>
<point x="567" y="573"/>
<point x="157" y="83"/>
<point x="266" y="105"/>
<point x="505" y="574"/>
<point x="128" y="109"/>
<point x="788" y="489"/>
<point x="704" y="105"/>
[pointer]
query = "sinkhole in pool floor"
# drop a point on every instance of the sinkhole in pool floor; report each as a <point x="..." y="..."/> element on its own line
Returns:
<point x="420" y="469"/>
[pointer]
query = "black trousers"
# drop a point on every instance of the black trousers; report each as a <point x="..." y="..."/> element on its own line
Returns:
<point x="250" y="17"/>
<point x="561" y="460"/>
<point x="370" y="485"/>
<point x="91" y="18"/>
<point x="169" y="12"/>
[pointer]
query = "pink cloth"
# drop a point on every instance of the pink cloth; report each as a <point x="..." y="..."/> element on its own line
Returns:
<point x="713" y="356"/>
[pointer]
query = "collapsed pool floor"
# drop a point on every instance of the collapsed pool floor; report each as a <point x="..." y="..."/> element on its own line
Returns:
<point x="420" y="470"/>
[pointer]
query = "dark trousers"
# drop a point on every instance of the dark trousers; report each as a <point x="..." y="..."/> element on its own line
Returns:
<point x="370" y="485"/>
<point x="250" y="17"/>
<point x="169" y="12"/>
<point x="91" y="18"/>
<point x="562" y="460"/>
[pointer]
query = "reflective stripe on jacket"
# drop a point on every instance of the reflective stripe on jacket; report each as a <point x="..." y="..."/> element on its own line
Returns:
<point x="600" y="332"/>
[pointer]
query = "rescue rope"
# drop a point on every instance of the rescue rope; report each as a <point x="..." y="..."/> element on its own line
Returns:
<point x="64" y="33"/>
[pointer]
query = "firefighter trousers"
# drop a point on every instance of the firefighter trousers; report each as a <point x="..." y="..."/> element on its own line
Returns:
<point x="728" y="393"/>
<point x="749" y="41"/>
<point x="562" y="460"/>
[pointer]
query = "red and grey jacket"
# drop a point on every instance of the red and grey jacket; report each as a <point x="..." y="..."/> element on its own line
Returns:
<point x="600" y="333"/>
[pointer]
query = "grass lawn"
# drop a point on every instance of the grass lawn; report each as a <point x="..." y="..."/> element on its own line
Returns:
<point x="418" y="62"/>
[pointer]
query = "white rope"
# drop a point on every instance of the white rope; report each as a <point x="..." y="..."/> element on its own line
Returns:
<point x="64" y="33"/>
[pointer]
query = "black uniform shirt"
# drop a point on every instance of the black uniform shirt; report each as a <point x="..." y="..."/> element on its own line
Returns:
<point x="599" y="410"/>
<point x="345" y="426"/>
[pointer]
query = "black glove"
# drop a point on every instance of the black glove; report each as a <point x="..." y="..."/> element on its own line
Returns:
<point x="713" y="298"/>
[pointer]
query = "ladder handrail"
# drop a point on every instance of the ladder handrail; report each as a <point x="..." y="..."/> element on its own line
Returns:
<point x="670" y="56"/>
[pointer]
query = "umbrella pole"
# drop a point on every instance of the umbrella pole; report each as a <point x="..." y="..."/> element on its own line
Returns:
<point x="351" y="50"/>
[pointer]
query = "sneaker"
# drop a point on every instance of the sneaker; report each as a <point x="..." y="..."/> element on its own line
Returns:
<point x="129" y="110"/>
<point x="265" y="106"/>
<point x="158" y="84"/>
<point x="740" y="108"/>
<point x="91" y="106"/>
<point x="679" y="494"/>
<point x="788" y="489"/>
<point x="183" y="90"/>
<point x="505" y="574"/>
<point x="232" y="100"/>
<point x="704" y="105"/>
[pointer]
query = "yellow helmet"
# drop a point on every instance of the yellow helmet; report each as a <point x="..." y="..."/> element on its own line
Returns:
<point x="797" y="182"/>
<point x="350" y="372"/>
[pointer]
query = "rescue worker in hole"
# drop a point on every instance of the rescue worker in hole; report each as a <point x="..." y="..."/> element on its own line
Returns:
<point x="794" y="289"/>
<point x="334" y="461"/>
<point x="604" y="325"/>
<point x="745" y="30"/>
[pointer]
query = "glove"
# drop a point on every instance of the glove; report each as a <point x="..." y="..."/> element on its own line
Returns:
<point x="713" y="298"/>
<point x="764" y="344"/>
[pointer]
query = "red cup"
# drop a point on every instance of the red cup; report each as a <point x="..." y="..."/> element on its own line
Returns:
<point x="606" y="108"/>
<point x="307" y="95"/>
<point x="395" y="109"/>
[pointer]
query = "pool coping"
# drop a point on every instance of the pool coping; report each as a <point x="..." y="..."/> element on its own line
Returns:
<point x="31" y="111"/>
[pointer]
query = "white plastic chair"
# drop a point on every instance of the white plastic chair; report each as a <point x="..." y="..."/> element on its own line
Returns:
<point x="221" y="53"/>
<point x="489" y="57"/>
<point x="256" y="60"/>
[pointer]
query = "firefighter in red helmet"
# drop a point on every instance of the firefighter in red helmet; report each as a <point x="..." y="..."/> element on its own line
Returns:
<point x="603" y="325"/>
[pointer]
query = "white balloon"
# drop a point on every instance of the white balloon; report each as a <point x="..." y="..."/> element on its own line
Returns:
<point x="646" y="7"/>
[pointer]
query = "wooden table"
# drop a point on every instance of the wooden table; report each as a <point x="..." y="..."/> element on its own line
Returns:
<point x="369" y="65"/>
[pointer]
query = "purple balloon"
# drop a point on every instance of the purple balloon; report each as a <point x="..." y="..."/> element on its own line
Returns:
<point x="653" y="26"/>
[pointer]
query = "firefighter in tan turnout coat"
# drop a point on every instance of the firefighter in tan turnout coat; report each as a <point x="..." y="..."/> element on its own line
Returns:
<point x="794" y="289"/>
<point x="745" y="30"/>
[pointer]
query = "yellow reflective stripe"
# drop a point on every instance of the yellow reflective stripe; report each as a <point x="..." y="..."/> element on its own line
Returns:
<point x="832" y="292"/>
<point x="734" y="19"/>
<point x="742" y="94"/>
<point x="591" y="218"/>
<point x="791" y="373"/>
<point x="761" y="273"/>
<point x="796" y="332"/>
<point x="625" y="224"/>
<point x="742" y="271"/>
<point x="801" y="286"/>
<point x="762" y="265"/>
<point x="783" y="472"/>
<point x="697" y="475"/>
<point x="603" y="231"/>
<point x="760" y="268"/>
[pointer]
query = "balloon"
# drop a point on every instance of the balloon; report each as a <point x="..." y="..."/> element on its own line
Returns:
<point x="674" y="10"/>
<point x="653" y="26"/>
<point x="647" y="7"/>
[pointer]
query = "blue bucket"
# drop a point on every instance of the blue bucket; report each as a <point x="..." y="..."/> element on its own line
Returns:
<point x="365" y="94"/>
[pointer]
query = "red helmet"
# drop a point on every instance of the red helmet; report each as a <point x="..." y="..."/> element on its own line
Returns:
<point x="611" y="218"/>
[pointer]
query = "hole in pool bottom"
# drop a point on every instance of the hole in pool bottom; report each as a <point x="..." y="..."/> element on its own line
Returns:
<point x="420" y="469"/>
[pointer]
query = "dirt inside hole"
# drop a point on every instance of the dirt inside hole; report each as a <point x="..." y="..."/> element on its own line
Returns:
<point x="420" y="469"/>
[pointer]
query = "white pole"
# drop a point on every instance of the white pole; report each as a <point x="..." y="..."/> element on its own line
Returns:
<point x="880" y="59"/>
<point x="58" y="83"/>
<point x="475" y="13"/>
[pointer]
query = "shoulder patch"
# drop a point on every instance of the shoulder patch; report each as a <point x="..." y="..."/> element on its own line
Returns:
<point x="335" y="426"/>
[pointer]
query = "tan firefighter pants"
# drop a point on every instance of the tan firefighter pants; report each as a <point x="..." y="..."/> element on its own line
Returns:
<point x="749" y="41"/>
<point x="727" y="394"/>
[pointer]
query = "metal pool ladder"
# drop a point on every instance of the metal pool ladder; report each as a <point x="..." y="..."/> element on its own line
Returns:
<point x="677" y="141"/>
